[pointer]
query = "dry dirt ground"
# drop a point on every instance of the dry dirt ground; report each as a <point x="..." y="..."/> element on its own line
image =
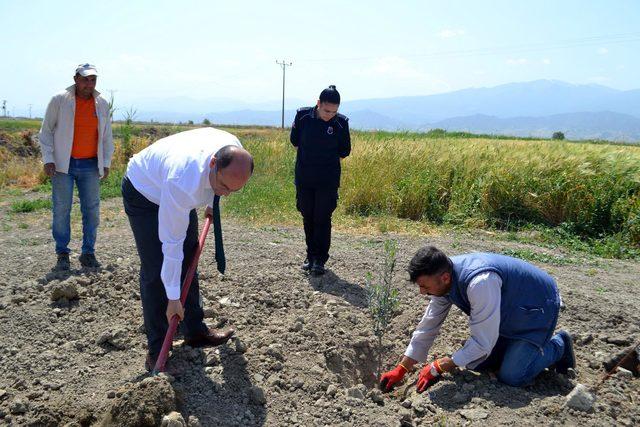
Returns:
<point x="305" y="354"/>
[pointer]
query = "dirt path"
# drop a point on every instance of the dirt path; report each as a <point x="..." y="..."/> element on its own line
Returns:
<point x="305" y="350"/>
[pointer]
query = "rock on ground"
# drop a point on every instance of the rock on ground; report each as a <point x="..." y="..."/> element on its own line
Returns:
<point x="66" y="289"/>
<point x="580" y="398"/>
<point x="173" y="419"/>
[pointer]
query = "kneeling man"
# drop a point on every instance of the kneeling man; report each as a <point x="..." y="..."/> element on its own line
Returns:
<point x="512" y="307"/>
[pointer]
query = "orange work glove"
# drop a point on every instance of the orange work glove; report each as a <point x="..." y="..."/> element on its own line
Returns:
<point x="389" y="379"/>
<point x="429" y="375"/>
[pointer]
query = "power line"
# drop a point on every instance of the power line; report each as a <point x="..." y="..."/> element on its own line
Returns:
<point x="284" y="65"/>
<point x="512" y="49"/>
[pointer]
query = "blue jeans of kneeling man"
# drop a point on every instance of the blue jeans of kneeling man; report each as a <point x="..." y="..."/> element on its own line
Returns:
<point x="84" y="173"/>
<point x="518" y="362"/>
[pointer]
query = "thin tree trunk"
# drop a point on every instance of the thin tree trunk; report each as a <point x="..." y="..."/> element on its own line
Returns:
<point x="379" y="357"/>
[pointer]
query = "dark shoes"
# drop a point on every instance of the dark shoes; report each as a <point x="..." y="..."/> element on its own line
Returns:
<point x="306" y="265"/>
<point x="317" y="268"/>
<point x="89" y="261"/>
<point x="209" y="338"/>
<point x="568" y="359"/>
<point x="63" y="263"/>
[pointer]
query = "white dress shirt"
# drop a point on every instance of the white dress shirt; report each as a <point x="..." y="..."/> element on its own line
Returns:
<point x="173" y="173"/>
<point x="483" y="292"/>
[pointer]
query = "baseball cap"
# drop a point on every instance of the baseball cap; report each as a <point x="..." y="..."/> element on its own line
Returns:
<point x="86" y="70"/>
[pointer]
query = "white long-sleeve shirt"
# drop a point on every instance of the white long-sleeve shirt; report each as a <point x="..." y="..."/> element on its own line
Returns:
<point x="174" y="174"/>
<point x="56" y="133"/>
<point x="484" y="292"/>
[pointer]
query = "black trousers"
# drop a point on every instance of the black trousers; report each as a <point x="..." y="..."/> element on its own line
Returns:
<point x="316" y="206"/>
<point x="143" y="218"/>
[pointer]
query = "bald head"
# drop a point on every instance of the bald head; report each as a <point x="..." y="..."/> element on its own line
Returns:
<point x="231" y="168"/>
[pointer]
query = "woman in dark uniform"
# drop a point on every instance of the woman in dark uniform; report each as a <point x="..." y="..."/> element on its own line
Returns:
<point x="321" y="136"/>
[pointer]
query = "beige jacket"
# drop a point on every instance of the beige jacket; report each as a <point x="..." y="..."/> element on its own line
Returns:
<point x="56" y="134"/>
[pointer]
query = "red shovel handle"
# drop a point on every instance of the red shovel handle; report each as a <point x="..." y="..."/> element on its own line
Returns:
<point x="173" y="325"/>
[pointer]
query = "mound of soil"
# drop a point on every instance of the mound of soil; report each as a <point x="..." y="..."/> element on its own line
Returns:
<point x="143" y="404"/>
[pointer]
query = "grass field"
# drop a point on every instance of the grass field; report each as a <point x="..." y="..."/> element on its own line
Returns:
<point x="582" y="195"/>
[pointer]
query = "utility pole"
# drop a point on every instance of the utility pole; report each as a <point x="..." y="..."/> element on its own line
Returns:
<point x="30" y="105"/>
<point x="284" y="65"/>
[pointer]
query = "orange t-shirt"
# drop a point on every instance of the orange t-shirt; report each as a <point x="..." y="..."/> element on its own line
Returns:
<point x="85" y="130"/>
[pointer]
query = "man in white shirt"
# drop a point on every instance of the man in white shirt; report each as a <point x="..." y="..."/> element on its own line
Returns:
<point x="163" y="186"/>
<point x="513" y="310"/>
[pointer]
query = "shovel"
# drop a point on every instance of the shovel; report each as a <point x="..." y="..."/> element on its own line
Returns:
<point x="173" y="325"/>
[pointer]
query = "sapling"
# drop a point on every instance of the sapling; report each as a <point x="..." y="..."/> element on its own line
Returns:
<point x="382" y="297"/>
<point x="127" y="131"/>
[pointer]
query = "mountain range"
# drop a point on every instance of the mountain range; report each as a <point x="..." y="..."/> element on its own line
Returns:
<point x="537" y="108"/>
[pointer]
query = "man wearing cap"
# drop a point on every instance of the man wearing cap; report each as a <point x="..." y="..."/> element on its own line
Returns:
<point x="77" y="146"/>
<point x="163" y="186"/>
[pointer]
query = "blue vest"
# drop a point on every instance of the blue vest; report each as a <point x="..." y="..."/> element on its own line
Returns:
<point x="529" y="300"/>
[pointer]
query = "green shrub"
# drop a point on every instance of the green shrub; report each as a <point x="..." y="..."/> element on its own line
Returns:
<point x="558" y="136"/>
<point x="23" y="206"/>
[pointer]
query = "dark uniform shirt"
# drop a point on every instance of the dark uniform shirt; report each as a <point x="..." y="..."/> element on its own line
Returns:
<point x="321" y="145"/>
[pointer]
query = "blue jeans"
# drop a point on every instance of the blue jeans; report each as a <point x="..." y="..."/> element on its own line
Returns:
<point x="84" y="172"/>
<point x="519" y="362"/>
<point x="143" y="218"/>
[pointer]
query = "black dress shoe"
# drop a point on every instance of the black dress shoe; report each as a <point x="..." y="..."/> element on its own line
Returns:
<point x="150" y="365"/>
<point x="317" y="268"/>
<point x="210" y="338"/>
<point x="306" y="265"/>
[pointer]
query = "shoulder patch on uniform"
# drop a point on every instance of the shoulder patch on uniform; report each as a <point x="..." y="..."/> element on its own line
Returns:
<point x="304" y="112"/>
<point x="341" y="120"/>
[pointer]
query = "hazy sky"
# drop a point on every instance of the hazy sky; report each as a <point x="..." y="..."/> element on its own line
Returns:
<point x="205" y="49"/>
